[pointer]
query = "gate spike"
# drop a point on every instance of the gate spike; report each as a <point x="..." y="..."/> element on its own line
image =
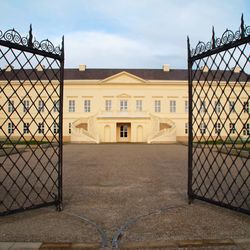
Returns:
<point x="242" y="28"/>
<point x="62" y="49"/>
<point x="188" y="46"/>
<point x="30" y="43"/>
<point x="213" y="38"/>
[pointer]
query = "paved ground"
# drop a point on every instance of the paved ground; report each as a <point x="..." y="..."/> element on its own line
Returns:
<point x="123" y="194"/>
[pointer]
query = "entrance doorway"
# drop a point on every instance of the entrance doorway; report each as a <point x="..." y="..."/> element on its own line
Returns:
<point x="123" y="132"/>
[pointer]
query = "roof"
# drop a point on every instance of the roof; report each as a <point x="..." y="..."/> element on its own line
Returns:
<point x="100" y="74"/>
<point x="147" y="74"/>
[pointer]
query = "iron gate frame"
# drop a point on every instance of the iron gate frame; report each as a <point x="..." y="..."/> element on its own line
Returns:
<point x="12" y="40"/>
<point x="228" y="40"/>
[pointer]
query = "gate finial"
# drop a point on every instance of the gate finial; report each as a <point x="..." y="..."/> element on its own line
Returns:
<point x="188" y="46"/>
<point x="242" y="28"/>
<point x="30" y="43"/>
<point x="213" y="38"/>
<point x="62" y="49"/>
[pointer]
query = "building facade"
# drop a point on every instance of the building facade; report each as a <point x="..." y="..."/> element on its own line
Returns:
<point x="125" y="105"/>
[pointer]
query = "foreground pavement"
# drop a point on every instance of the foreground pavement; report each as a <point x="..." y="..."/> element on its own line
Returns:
<point x="130" y="196"/>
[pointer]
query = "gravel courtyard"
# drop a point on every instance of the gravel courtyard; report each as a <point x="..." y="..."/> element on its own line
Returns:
<point x="123" y="193"/>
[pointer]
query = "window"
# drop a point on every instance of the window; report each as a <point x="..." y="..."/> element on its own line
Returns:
<point x="246" y="130"/>
<point x="11" y="127"/>
<point x="108" y="105"/>
<point x="246" y="107"/>
<point x="123" y="105"/>
<point x="139" y="105"/>
<point x="186" y="128"/>
<point x="40" y="128"/>
<point x="172" y="106"/>
<point x="217" y="128"/>
<point x="55" y="128"/>
<point x="186" y="106"/>
<point x="232" y="128"/>
<point x="231" y="106"/>
<point x="72" y="107"/>
<point x="217" y="106"/>
<point x="41" y="106"/>
<point x="70" y="128"/>
<point x="87" y="106"/>
<point x="56" y="106"/>
<point x="11" y="106"/>
<point x="203" y="128"/>
<point x="203" y="107"/>
<point x="26" y="105"/>
<point x="26" y="128"/>
<point x="157" y="106"/>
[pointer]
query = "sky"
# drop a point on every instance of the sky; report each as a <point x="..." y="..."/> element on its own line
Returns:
<point x="124" y="33"/>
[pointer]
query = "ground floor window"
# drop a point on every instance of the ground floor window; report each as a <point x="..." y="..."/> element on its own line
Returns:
<point x="232" y="128"/>
<point x="246" y="130"/>
<point x="11" y="127"/>
<point x="55" y="128"/>
<point x="70" y="128"/>
<point x="217" y="128"/>
<point x="26" y="128"/>
<point x="203" y="128"/>
<point x="40" y="128"/>
<point x="186" y="128"/>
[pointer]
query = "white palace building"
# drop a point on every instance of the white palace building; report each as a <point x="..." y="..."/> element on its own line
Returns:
<point x="130" y="105"/>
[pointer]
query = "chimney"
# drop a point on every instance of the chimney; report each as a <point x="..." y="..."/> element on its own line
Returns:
<point x="40" y="67"/>
<point x="205" y="68"/>
<point x="166" y="67"/>
<point x="9" y="68"/>
<point x="82" y="67"/>
<point x="236" y="69"/>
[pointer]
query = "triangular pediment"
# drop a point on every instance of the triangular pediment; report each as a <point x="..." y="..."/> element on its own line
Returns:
<point x="123" y="78"/>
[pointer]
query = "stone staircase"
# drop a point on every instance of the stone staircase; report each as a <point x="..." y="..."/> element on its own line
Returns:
<point x="79" y="134"/>
<point x="162" y="135"/>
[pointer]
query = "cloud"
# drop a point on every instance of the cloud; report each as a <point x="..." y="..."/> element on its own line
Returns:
<point x="100" y="49"/>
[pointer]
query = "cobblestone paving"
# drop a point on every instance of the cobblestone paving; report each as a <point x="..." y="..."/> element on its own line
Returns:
<point x="122" y="193"/>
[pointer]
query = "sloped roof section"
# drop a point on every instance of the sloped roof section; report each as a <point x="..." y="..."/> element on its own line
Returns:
<point x="101" y="74"/>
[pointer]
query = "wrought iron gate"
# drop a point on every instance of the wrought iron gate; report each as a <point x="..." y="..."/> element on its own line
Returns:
<point x="219" y="124"/>
<point x="31" y="104"/>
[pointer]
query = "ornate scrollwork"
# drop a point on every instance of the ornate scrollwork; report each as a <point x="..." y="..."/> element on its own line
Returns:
<point x="13" y="36"/>
<point x="227" y="37"/>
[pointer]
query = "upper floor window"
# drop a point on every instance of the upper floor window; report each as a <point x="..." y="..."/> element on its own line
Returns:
<point x="172" y="106"/>
<point x="87" y="106"/>
<point x="232" y="106"/>
<point x="72" y="106"/>
<point x="157" y="106"/>
<point x="11" y="106"/>
<point x="11" y="127"/>
<point x="139" y="105"/>
<point x="108" y="105"/>
<point x="26" y="128"/>
<point x="41" y="106"/>
<point x="217" y="106"/>
<point x="203" y="107"/>
<point x="123" y="105"/>
<point x="26" y="105"/>
<point x="186" y="106"/>
<point x="56" y="106"/>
